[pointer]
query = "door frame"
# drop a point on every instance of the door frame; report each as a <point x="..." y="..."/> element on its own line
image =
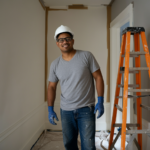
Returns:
<point x="125" y="16"/>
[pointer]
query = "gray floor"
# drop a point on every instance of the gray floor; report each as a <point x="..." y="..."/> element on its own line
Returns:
<point x="51" y="141"/>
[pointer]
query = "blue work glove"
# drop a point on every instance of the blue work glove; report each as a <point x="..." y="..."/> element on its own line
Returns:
<point x="52" y="115"/>
<point x="99" y="106"/>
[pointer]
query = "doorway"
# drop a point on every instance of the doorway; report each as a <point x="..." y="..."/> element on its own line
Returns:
<point x="124" y="19"/>
<point x="90" y="34"/>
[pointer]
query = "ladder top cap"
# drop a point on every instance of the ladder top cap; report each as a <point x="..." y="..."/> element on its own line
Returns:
<point x="133" y="30"/>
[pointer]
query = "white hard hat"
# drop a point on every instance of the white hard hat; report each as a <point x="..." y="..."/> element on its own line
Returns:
<point x="62" y="29"/>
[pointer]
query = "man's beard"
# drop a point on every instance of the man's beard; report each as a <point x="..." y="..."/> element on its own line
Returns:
<point x="67" y="50"/>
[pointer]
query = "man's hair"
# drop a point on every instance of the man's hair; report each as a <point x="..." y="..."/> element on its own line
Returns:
<point x="64" y="32"/>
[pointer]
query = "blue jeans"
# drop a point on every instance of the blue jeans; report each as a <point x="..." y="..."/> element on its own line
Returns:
<point x="82" y="120"/>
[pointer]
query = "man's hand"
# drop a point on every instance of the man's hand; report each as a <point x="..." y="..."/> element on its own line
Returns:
<point x="100" y="107"/>
<point x="52" y="115"/>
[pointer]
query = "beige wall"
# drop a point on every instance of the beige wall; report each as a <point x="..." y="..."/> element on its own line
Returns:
<point x="22" y="107"/>
<point x="90" y="34"/>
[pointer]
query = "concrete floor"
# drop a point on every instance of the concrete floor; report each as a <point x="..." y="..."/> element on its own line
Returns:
<point x="51" y="141"/>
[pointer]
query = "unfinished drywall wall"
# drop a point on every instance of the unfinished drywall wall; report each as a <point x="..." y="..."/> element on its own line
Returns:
<point x="22" y="107"/>
<point x="90" y="34"/>
<point x="141" y="19"/>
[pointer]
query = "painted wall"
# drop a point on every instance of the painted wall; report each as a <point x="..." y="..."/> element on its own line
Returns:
<point x="22" y="107"/>
<point x="90" y="34"/>
<point x="141" y="13"/>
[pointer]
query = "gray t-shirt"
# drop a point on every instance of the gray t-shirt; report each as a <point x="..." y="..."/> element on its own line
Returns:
<point x="76" y="80"/>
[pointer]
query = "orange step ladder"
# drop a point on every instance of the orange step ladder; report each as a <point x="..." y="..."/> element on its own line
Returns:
<point x="125" y="53"/>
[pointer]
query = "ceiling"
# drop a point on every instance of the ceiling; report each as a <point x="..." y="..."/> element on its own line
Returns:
<point x="65" y="3"/>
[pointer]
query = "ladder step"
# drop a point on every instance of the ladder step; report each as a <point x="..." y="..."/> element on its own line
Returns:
<point x="146" y="107"/>
<point x="118" y="107"/>
<point x="138" y="90"/>
<point x="147" y="131"/>
<point x="134" y="96"/>
<point x="133" y="30"/>
<point x="138" y="53"/>
<point x="135" y="54"/>
<point x="131" y="71"/>
<point x="138" y="68"/>
<point x="129" y="96"/>
<point x="127" y="125"/>
<point x="129" y="85"/>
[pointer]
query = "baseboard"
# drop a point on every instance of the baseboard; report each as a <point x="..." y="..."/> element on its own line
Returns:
<point x="4" y="134"/>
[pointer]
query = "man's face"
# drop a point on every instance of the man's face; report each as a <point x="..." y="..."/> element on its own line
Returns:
<point x="65" y="45"/>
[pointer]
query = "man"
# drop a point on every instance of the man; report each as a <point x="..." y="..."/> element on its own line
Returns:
<point x="75" y="69"/>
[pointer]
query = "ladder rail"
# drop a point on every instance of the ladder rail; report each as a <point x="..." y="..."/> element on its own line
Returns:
<point x="117" y="88"/>
<point x="135" y="54"/>
<point x="138" y="81"/>
<point x="125" y="92"/>
<point x="145" y="47"/>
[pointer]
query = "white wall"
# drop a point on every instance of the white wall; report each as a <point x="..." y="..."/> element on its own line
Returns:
<point x="22" y="107"/>
<point x="90" y="33"/>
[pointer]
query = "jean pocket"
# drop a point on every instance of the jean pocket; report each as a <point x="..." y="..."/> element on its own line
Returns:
<point x="86" y="110"/>
<point x="91" y="108"/>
